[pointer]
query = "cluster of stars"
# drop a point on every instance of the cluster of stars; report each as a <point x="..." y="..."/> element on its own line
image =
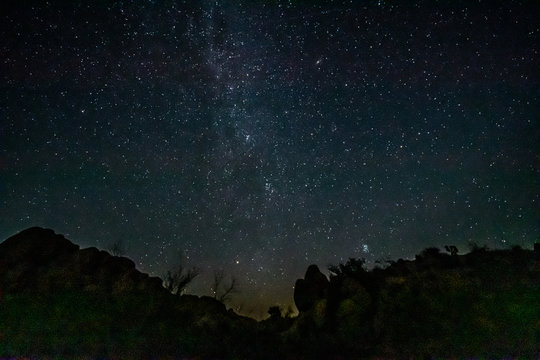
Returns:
<point x="261" y="138"/>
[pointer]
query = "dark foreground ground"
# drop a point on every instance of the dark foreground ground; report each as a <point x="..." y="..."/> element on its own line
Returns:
<point x="60" y="302"/>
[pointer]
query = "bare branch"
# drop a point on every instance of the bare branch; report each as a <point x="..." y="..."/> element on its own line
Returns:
<point x="117" y="248"/>
<point x="176" y="281"/>
<point x="185" y="279"/>
<point x="221" y="292"/>
<point x="219" y="275"/>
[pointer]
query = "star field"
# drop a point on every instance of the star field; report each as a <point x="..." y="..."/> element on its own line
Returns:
<point x="261" y="137"/>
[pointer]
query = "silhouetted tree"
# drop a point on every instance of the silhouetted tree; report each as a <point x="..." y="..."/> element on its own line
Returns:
<point x="117" y="248"/>
<point x="430" y="252"/>
<point x="453" y="250"/>
<point x="221" y="291"/>
<point x="352" y="267"/>
<point x="178" y="279"/>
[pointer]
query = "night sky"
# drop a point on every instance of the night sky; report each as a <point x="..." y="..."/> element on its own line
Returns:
<point x="264" y="136"/>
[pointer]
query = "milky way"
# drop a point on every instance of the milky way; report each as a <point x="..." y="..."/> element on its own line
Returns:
<point x="262" y="138"/>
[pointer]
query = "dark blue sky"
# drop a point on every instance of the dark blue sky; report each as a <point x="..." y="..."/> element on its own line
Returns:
<point x="261" y="138"/>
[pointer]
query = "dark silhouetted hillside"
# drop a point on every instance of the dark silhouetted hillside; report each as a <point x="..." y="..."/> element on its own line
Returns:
<point x="60" y="301"/>
<point x="485" y="304"/>
<point x="39" y="261"/>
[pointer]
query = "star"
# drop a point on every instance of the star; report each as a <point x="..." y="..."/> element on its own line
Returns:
<point x="289" y="134"/>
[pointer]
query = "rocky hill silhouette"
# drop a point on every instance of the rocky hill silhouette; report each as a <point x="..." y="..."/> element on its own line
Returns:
<point x="37" y="260"/>
<point x="484" y="304"/>
<point x="59" y="301"/>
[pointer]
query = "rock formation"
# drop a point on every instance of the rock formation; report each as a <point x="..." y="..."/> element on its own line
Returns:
<point x="58" y="301"/>
<point x="37" y="260"/>
<point x="313" y="287"/>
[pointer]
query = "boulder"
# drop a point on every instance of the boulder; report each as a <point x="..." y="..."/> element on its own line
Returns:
<point x="310" y="289"/>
